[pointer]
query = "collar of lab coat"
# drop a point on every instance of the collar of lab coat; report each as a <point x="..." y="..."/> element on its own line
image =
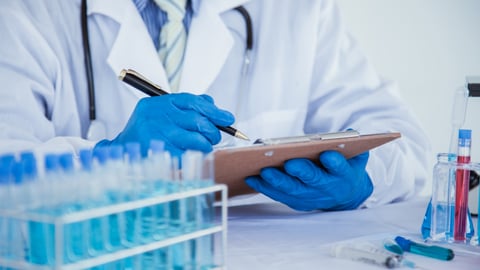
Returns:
<point x="209" y="43"/>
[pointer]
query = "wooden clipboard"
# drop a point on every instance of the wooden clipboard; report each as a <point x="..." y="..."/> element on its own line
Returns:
<point x="233" y="165"/>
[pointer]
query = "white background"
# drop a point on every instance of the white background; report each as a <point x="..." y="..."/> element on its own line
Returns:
<point x="428" y="47"/>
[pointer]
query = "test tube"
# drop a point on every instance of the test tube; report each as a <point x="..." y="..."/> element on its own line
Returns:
<point x="159" y="163"/>
<point x="6" y="164"/>
<point x="132" y="233"/>
<point x="462" y="185"/>
<point x="74" y="233"/>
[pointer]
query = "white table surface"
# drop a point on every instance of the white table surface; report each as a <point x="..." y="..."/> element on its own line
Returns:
<point x="272" y="236"/>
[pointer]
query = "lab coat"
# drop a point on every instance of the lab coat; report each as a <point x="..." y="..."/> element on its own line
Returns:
<point x="306" y="75"/>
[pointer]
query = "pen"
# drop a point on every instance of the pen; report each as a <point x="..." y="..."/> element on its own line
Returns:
<point x="141" y="83"/>
<point x="436" y="252"/>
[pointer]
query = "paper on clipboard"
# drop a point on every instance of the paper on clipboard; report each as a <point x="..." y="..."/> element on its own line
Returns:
<point x="233" y="165"/>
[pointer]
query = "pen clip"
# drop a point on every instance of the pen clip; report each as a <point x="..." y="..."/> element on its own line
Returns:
<point x="130" y="72"/>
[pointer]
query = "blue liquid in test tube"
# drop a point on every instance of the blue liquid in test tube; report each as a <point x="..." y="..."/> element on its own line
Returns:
<point x="41" y="234"/>
<point x="75" y="233"/>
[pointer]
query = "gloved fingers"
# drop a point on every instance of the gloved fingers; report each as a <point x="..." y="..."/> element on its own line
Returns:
<point x="309" y="173"/>
<point x="335" y="163"/>
<point x="257" y="183"/>
<point x="204" y="106"/>
<point x="208" y="98"/>
<point x="185" y="139"/>
<point x="161" y="114"/>
<point x="193" y="121"/>
<point x="359" y="192"/>
<point x="284" y="182"/>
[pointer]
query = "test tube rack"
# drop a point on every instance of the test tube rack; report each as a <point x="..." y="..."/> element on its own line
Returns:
<point x="171" y="244"/>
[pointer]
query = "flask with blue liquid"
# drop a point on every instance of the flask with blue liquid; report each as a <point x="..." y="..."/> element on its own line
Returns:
<point x="438" y="222"/>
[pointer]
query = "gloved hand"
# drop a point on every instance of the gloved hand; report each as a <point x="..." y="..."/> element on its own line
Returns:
<point x="337" y="184"/>
<point x="182" y="121"/>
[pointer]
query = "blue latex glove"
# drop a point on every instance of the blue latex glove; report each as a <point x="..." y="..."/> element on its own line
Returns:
<point x="337" y="184"/>
<point x="182" y="121"/>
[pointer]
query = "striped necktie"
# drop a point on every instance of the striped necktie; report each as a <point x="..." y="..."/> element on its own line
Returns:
<point x="173" y="37"/>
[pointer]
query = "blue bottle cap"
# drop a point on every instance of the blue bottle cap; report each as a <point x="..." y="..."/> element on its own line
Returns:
<point x="66" y="161"/>
<point x="133" y="151"/>
<point x="51" y="162"/>
<point x="86" y="157"/>
<point x="7" y="160"/>
<point x="464" y="133"/>
<point x="29" y="165"/>
<point x="6" y="163"/>
<point x="17" y="172"/>
<point x="101" y="154"/>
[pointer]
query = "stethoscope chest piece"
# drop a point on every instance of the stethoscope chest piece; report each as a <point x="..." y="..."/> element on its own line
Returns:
<point x="96" y="131"/>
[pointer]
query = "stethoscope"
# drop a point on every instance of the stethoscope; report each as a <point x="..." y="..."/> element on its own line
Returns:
<point x="97" y="129"/>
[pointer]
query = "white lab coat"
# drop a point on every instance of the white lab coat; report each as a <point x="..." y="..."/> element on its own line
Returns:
<point x="306" y="75"/>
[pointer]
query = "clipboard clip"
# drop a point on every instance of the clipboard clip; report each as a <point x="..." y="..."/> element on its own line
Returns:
<point x="309" y="137"/>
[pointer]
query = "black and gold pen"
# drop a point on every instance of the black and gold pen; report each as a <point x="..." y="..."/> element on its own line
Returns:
<point x="141" y="83"/>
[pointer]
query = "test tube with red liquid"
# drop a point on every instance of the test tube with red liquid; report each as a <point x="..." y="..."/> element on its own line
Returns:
<point x="462" y="181"/>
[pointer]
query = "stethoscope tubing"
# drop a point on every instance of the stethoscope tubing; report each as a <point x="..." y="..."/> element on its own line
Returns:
<point x="88" y="61"/>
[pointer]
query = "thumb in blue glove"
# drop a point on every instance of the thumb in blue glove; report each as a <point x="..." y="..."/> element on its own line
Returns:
<point x="182" y="121"/>
<point x="335" y="184"/>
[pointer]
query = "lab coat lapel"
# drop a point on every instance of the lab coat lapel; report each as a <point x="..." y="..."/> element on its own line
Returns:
<point x="133" y="47"/>
<point x="208" y="46"/>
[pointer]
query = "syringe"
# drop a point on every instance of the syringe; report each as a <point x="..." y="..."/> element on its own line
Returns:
<point x="366" y="253"/>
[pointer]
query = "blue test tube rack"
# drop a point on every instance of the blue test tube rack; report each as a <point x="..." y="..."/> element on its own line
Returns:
<point x="82" y="239"/>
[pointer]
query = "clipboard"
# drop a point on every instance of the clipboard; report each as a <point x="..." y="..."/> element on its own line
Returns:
<point x="233" y="165"/>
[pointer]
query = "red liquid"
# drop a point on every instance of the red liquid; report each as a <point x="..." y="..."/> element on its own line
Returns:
<point x="461" y="200"/>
